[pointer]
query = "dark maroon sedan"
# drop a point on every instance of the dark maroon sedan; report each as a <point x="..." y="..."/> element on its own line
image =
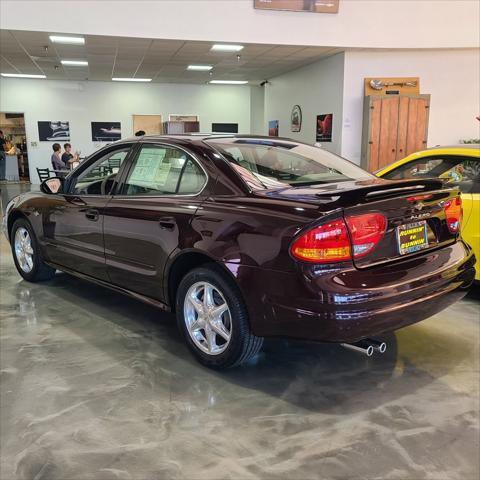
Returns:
<point x="248" y="237"/>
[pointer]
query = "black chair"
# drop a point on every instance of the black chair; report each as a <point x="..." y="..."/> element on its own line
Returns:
<point x="43" y="174"/>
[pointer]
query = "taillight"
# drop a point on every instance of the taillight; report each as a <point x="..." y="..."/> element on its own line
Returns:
<point x="366" y="231"/>
<point x="453" y="214"/>
<point x="323" y="244"/>
<point x="331" y="241"/>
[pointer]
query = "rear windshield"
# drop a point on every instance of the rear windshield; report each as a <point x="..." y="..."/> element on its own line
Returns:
<point x="271" y="164"/>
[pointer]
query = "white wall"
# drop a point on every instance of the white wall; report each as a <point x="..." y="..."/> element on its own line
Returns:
<point x="451" y="77"/>
<point x="359" y="23"/>
<point x="84" y="102"/>
<point x="318" y="89"/>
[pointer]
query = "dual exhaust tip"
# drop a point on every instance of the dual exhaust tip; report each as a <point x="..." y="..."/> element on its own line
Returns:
<point x="366" y="346"/>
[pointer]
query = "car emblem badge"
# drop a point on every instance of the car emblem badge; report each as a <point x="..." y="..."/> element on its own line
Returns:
<point x="418" y="206"/>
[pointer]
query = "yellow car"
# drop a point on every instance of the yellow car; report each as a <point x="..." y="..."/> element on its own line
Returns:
<point x="459" y="165"/>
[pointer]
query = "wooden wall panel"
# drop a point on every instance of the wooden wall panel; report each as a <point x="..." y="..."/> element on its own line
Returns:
<point x="374" y="139"/>
<point x="402" y="127"/>
<point x="388" y="132"/>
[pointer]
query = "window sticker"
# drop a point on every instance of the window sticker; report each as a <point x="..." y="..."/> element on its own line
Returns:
<point x="150" y="169"/>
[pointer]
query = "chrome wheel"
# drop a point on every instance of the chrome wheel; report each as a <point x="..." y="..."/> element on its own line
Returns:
<point x="207" y="318"/>
<point x="23" y="249"/>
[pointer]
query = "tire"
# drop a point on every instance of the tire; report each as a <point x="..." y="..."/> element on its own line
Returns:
<point x="191" y="296"/>
<point x="33" y="269"/>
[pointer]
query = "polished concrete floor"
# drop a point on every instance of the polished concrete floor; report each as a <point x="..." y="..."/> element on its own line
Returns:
<point x="96" y="386"/>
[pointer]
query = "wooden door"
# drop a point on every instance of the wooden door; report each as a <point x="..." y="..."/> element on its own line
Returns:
<point x="394" y="127"/>
<point x="417" y="124"/>
<point x="150" y="124"/>
<point x="387" y="143"/>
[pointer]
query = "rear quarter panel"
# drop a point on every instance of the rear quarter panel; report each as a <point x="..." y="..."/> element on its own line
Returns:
<point x="250" y="231"/>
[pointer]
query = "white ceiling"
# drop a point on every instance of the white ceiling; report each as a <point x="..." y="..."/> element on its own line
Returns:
<point x="164" y="61"/>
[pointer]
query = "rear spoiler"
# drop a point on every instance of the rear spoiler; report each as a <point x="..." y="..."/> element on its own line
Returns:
<point x="383" y="189"/>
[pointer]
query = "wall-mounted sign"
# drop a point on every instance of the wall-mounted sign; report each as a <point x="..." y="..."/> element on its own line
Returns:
<point x="391" y="85"/>
<point x="296" y="119"/>
<point x="54" y="131"/>
<point x="106" y="131"/>
<point x="316" y="6"/>
<point x="273" y="128"/>
<point x="324" y="127"/>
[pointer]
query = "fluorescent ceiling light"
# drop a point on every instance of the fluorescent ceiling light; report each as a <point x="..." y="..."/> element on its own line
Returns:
<point x="220" y="47"/>
<point x="22" y="75"/>
<point x="74" y="63"/>
<point x="200" y="68"/>
<point x="68" y="40"/>
<point x="131" y="79"/>
<point x="229" y="82"/>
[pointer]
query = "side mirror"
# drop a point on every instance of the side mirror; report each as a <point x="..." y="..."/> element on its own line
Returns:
<point x="52" y="185"/>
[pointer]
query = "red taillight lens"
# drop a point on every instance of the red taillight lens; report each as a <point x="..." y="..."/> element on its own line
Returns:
<point x="366" y="231"/>
<point x="323" y="244"/>
<point x="453" y="214"/>
<point x="331" y="243"/>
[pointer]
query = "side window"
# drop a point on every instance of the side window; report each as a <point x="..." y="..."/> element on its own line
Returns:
<point x="193" y="179"/>
<point x="463" y="172"/>
<point x="421" y="168"/>
<point x="163" y="170"/>
<point x="99" y="178"/>
<point x="466" y="175"/>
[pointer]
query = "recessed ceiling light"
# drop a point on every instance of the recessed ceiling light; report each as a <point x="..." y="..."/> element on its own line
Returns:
<point x="200" y="68"/>
<point x="229" y="82"/>
<point x="221" y="47"/>
<point x="132" y="79"/>
<point x="67" y="40"/>
<point x="22" y="75"/>
<point x="74" y="63"/>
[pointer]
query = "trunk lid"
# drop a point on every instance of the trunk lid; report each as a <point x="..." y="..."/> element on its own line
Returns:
<point x="414" y="211"/>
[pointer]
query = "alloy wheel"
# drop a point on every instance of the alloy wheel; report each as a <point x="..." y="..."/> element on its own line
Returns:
<point x="207" y="318"/>
<point x="23" y="249"/>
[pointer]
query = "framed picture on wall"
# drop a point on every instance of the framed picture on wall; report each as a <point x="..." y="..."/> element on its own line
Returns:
<point x="296" y="119"/>
<point x="324" y="127"/>
<point x="106" y="131"/>
<point x="273" y="128"/>
<point x="54" y="131"/>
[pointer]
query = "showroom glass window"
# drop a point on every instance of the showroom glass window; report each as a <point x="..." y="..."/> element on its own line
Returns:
<point x="463" y="172"/>
<point x="164" y="170"/>
<point x="271" y="164"/>
<point x="100" y="177"/>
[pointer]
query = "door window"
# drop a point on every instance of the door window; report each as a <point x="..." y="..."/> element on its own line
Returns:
<point x="463" y="172"/>
<point x="99" y="178"/>
<point x="164" y="170"/>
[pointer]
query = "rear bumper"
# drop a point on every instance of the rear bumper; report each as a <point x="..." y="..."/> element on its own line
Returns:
<point x="343" y="304"/>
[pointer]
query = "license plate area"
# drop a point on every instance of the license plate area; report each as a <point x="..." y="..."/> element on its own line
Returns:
<point x="412" y="237"/>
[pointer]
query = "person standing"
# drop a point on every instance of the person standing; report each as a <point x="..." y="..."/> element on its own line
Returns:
<point x="68" y="157"/>
<point x="3" y="157"/>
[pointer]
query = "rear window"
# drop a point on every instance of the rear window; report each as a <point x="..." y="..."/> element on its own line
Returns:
<point x="272" y="164"/>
